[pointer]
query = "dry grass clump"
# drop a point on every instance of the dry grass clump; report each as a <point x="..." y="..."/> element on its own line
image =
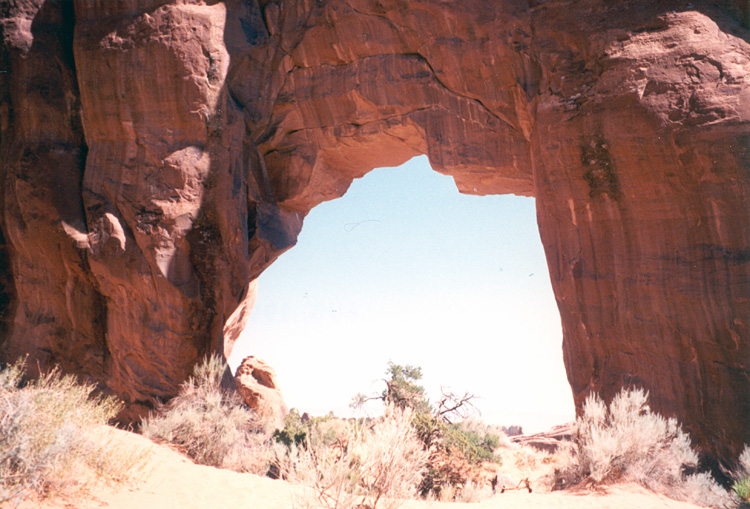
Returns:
<point x="325" y="471"/>
<point x="367" y="465"/>
<point x="628" y="442"/>
<point x="211" y="423"/>
<point x="50" y="436"/>
<point x="536" y="466"/>
<point x="391" y="459"/>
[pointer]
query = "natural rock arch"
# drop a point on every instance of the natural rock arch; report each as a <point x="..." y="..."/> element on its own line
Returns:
<point x="158" y="155"/>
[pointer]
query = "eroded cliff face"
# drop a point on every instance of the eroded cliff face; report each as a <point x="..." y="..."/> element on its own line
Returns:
<point x="157" y="156"/>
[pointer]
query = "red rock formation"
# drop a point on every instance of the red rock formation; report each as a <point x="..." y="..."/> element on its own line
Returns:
<point x="257" y="384"/>
<point x="157" y="162"/>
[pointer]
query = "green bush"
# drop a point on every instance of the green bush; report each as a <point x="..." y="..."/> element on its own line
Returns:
<point x="46" y="427"/>
<point x="741" y="484"/>
<point x="298" y="430"/>
<point x="295" y="430"/>
<point x="475" y="446"/>
<point x="741" y="488"/>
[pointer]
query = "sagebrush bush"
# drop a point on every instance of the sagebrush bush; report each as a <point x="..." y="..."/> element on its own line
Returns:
<point x="391" y="459"/>
<point x="628" y="442"/>
<point x="211" y="423"/>
<point x="48" y="432"/>
<point x="368" y="464"/>
<point x="330" y="481"/>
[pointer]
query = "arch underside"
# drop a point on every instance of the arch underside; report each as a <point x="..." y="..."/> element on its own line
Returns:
<point x="173" y="152"/>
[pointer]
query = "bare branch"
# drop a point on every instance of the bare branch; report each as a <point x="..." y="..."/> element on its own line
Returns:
<point x="451" y="406"/>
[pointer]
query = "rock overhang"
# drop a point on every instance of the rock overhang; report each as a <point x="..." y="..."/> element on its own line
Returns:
<point x="174" y="157"/>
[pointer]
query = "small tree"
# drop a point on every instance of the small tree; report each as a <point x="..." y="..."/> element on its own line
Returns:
<point x="451" y="406"/>
<point x="401" y="389"/>
<point x="454" y="451"/>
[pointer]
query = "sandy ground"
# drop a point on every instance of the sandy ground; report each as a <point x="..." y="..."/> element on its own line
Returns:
<point x="169" y="480"/>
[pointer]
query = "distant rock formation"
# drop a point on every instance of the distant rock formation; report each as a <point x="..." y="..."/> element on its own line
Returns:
<point x="157" y="155"/>
<point x="547" y="441"/>
<point x="257" y="384"/>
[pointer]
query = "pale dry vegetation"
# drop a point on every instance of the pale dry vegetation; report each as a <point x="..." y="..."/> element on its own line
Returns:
<point x="53" y="437"/>
<point x="210" y="423"/>
<point x="368" y="464"/>
<point x="414" y="450"/>
<point x="626" y="441"/>
<point x="343" y="464"/>
<point x="54" y="442"/>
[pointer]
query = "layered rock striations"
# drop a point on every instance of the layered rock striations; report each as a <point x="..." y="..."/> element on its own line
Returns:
<point x="157" y="156"/>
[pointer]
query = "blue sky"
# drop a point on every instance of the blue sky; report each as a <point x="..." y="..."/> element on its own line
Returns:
<point x="404" y="268"/>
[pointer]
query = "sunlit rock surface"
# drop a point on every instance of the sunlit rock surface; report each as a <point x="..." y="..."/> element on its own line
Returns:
<point x="258" y="385"/>
<point x="157" y="156"/>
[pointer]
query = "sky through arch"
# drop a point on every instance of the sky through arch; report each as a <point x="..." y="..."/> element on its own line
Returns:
<point x="405" y="268"/>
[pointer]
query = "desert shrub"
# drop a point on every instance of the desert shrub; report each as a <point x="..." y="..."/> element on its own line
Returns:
<point x="455" y="450"/>
<point x="295" y="429"/>
<point x="447" y="471"/>
<point x="11" y="375"/>
<point x="46" y="429"/>
<point x="456" y="455"/>
<point x="369" y="465"/>
<point x="701" y="489"/>
<point x="741" y="489"/>
<point x="473" y="491"/>
<point x="627" y="441"/>
<point x="741" y="475"/>
<point x="391" y="459"/>
<point x="211" y="423"/>
<point x="324" y="430"/>
<point x="475" y="442"/>
<point x="328" y="474"/>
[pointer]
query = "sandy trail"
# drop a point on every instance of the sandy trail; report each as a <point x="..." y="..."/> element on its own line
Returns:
<point x="170" y="480"/>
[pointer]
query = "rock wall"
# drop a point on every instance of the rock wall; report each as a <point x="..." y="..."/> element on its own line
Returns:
<point x="156" y="156"/>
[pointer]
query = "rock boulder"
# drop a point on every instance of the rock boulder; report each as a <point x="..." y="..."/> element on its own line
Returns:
<point x="257" y="383"/>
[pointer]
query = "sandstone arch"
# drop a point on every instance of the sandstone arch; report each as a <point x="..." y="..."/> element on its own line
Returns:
<point x="158" y="155"/>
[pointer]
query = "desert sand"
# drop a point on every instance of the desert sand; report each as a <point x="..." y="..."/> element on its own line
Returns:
<point x="170" y="480"/>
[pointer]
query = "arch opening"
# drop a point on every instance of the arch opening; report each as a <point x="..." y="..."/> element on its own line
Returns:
<point x="404" y="268"/>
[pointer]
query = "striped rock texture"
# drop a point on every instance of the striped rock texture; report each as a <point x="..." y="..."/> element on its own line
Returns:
<point x="157" y="155"/>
